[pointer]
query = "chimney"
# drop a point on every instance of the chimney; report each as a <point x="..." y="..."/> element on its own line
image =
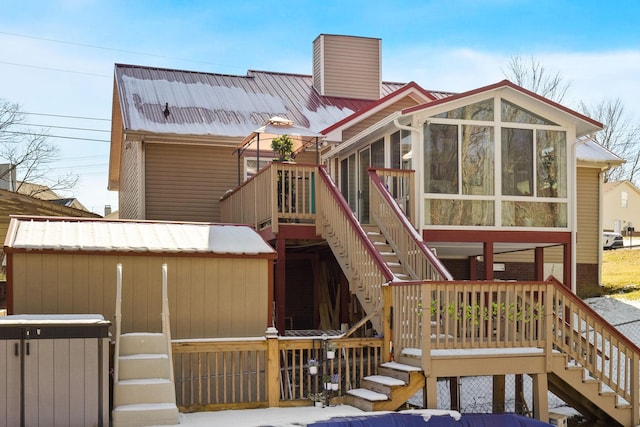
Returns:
<point x="347" y="66"/>
<point x="107" y="210"/>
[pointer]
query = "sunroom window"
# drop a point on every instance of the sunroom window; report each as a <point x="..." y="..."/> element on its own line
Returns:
<point x="464" y="147"/>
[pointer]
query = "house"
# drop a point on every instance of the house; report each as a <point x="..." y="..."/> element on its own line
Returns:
<point x="621" y="203"/>
<point x="403" y="204"/>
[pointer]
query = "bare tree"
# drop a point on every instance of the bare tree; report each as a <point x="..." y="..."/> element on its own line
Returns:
<point x="29" y="154"/>
<point x="620" y="136"/>
<point x="531" y="74"/>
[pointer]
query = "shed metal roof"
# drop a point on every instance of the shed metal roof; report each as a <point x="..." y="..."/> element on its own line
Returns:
<point x="201" y="103"/>
<point x="74" y="235"/>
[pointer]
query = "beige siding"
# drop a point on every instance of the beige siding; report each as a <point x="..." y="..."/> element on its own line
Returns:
<point x="350" y="67"/>
<point x="208" y="297"/>
<point x="185" y="182"/>
<point x="405" y="102"/>
<point x="130" y="193"/>
<point x="588" y="208"/>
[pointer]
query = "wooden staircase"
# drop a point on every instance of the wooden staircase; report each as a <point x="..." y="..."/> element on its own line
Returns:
<point x="573" y="384"/>
<point x="386" y="251"/>
<point x="144" y="390"/>
<point x="389" y="390"/>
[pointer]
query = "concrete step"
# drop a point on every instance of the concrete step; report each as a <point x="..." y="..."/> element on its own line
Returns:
<point x="136" y="366"/>
<point x="142" y="342"/>
<point x="146" y="414"/>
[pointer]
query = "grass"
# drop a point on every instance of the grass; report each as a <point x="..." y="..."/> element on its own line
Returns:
<point x="621" y="273"/>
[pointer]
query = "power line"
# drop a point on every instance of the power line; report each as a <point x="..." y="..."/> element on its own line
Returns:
<point x="66" y="117"/>
<point x="69" y="127"/>
<point x="54" y="69"/>
<point x="57" y="136"/>
<point x="112" y="49"/>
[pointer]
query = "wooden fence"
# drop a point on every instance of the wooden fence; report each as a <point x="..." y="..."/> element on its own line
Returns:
<point x="215" y="374"/>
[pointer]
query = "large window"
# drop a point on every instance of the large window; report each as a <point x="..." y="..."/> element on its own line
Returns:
<point x="464" y="146"/>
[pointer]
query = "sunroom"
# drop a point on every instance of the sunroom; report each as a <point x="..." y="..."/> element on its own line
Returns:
<point x="495" y="179"/>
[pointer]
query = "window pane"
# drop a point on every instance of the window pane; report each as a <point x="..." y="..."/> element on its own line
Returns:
<point x="405" y="149"/>
<point x="517" y="162"/>
<point x="534" y="214"/>
<point x="477" y="160"/>
<point x="395" y="150"/>
<point x="459" y="212"/>
<point x="377" y="154"/>
<point x="514" y="114"/>
<point x="441" y="159"/>
<point x="479" y="111"/>
<point x="551" y="164"/>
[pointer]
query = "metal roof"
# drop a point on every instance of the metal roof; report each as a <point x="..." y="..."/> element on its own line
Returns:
<point x="591" y="151"/>
<point x="198" y="103"/>
<point x="74" y="235"/>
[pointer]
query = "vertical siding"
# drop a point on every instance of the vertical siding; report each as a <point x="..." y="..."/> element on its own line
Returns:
<point x="185" y="182"/>
<point x="130" y="193"/>
<point x="350" y="66"/>
<point x="588" y="208"/>
<point x="208" y="297"/>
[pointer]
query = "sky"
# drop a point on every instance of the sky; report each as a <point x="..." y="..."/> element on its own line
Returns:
<point x="57" y="56"/>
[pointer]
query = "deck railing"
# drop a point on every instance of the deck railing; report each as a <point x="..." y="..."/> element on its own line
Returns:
<point x="419" y="261"/>
<point x="238" y="373"/>
<point x="280" y="192"/>
<point x="592" y="342"/>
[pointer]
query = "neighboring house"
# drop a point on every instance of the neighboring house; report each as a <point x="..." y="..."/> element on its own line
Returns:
<point x="621" y="207"/>
<point x="43" y="192"/>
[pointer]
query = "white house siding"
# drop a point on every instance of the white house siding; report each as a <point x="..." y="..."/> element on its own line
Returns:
<point x="613" y="210"/>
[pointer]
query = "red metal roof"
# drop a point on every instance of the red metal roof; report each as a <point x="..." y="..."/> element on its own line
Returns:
<point x="200" y="103"/>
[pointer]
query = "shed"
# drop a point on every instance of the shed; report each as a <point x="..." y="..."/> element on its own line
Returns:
<point x="220" y="277"/>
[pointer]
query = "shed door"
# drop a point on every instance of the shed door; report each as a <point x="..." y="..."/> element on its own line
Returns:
<point x="9" y="382"/>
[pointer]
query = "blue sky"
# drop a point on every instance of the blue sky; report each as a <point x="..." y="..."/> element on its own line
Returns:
<point x="56" y="57"/>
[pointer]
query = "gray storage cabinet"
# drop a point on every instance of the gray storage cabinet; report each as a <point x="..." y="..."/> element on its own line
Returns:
<point x="54" y="370"/>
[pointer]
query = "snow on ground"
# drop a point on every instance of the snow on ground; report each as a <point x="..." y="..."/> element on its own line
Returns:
<point x="285" y="417"/>
<point x="625" y="315"/>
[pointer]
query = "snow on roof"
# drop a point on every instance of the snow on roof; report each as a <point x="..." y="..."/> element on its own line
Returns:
<point x="129" y="236"/>
<point x="225" y="105"/>
<point x="591" y="151"/>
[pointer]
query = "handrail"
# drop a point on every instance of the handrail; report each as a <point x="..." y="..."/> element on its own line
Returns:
<point x="403" y="223"/>
<point x="166" y="326"/>
<point x="606" y="353"/>
<point x="118" y="321"/>
<point x="354" y="223"/>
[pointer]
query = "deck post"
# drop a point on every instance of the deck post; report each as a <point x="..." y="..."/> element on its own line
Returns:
<point x="273" y="367"/>
<point x="498" y="394"/>
<point x="431" y="392"/>
<point x="387" y="299"/>
<point x="540" y="397"/>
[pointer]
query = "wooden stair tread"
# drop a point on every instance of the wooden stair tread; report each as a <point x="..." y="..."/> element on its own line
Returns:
<point x="144" y="407"/>
<point x="388" y="381"/>
<point x="401" y="367"/>
<point x="369" y="395"/>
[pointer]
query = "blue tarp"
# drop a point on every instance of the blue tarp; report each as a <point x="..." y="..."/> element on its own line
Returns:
<point x="416" y="420"/>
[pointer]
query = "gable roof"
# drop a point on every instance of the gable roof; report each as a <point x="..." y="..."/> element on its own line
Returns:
<point x="101" y="235"/>
<point x="584" y="124"/>
<point x="608" y="186"/>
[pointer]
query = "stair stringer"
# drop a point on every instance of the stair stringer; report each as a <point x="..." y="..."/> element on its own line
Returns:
<point x="383" y="394"/>
<point x="352" y="272"/>
<point x="569" y="383"/>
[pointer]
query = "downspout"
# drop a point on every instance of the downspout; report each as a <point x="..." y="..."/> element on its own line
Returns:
<point x="574" y="213"/>
<point x="416" y="148"/>
<point x="601" y="218"/>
